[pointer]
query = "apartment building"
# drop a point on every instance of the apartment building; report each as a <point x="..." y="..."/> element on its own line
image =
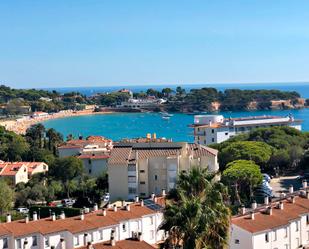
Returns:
<point x="144" y="166"/>
<point x="16" y="172"/>
<point x="132" y="225"/>
<point x="282" y="224"/>
<point x="94" y="152"/>
<point x="209" y="129"/>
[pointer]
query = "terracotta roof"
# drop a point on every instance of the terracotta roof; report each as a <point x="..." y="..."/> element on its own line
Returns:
<point x="122" y="244"/>
<point x="263" y="221"/>
<point x="200" y="150"/>
<point x="93" y="220"/>
<point x="31" y="166"/>
<point x="120" y="155"/>
<point x="10" y="169"/>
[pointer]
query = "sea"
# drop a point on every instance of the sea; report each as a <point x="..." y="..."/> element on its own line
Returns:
<point x="131" y="125"/>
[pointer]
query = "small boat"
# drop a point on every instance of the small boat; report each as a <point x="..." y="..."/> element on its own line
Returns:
<point x="165" y="117"/>
<point x="166" y="114"/>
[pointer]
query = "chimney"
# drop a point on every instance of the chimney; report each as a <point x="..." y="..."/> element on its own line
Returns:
<point x="27" y="219"/>
<point x="82" y="216"/>
<point x="142" y="203"/>
<point x="153" y="196"/>
<point x="291" y="189"/>
<point x="154" y="136"/>
<point x="115" y="208"/>
<point x="109" y="205"/>
<point x="34" y="216"/>
<point x="266" y="200"/>
<point x="254" y="205"/>
<point x="269" y="210"/>
<point x="53" y="216"/>
<point x="113" y="241"/>
<point x="163" y="193"/>
<point x="123" y="204"/>
<point x="282" y="195"/>
<point x="95" y="207"/>
<point x="86" y="210"/>
<point x="104" y="212"/>
<point x="136" y="199"/>
<point x="307" y="194"/>
<point x="304" y="184"/>
<point x="292" y="199"/>
<point x="89" y="245"/>
<point x="8" y="218"/>
<point x="128" y="208"/>
<point x="242" y="210"/>
<point x="140" y="236"/>
<point x="280" y="205"/>
<point x="252" y="215"/>
<point x="155" y="199"/>
<point x="62" y="215"/>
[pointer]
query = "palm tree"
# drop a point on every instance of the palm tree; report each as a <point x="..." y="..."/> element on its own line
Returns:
<point x="54" y="139"/>
<point x="196" y="216"/>
<point x="35" y="135"/>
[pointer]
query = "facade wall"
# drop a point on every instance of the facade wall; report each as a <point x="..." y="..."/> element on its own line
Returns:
<point x="63" y="152"/>
<point x="118" y="181"/>
<point x="95" y="167"/>
<point x="240" y="239"/>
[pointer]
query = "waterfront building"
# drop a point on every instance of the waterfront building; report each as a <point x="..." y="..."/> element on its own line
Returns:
<point x="16" y="172"/>
<point x="209" y="129"/>
<point x="130" y="226"/>
<point x="145" y="166"/>
<point x="150" y="103"/>
<point x="281" y="224"/>
<point x="94" y="152"/>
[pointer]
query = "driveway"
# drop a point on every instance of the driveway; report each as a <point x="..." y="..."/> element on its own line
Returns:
<point x="282" y="184"/>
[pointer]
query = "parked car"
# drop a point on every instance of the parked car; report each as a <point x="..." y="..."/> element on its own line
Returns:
<point x="22" y="210"/>
<point x="68" y="202"/>
<point x="83" y="202"/>
<point x="266" y="177"/>
<point x="105" y="197"/>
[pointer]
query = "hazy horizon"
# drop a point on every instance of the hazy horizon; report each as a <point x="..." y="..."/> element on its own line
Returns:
<point x="100" y="43"/>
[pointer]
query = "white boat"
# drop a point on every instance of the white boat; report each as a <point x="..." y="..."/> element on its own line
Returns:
<point x="166" y="117"/>
<point x="166" y="114"/>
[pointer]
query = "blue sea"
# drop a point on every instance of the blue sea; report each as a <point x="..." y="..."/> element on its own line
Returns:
<point x="130" y="125"/>
<point x="300" y="87"/>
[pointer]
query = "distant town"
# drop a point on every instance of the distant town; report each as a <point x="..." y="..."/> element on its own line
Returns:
<point x="242" y="183"/>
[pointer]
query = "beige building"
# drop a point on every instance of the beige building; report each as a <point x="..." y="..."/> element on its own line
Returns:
<point x="17" y="172"/>
<point x="143" y="168"/>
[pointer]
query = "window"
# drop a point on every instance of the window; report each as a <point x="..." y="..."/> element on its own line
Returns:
<point x="212" y="131"/>
<point x="131" y="179"/>
<point x="143" y="194"/>
<point x="89" y="171"/>
<point x="237" y="241"/>
<point x="151" y="234"/>
<point x="132" y="167"/>
<point x="266" y="237"/>
<point x="141" y="182"/>
<point x="156" y="177"/>
<point x="18" y="242"/>
<point x="34" y="241"/>
<point x="212" y="139"/>
<point x="296" y="226"/>
<point x="5" y="243"/>
<point x="286" y="232"/>
<point x="46" y="242"/>
<point x="226" y="133"/>
<point x="274" y="235"/>
<point x="89" y="161"/>
<point x="297" y="242"/>
<point x="76" y="240"/>
<point x="101" y="234"/>
<point x="286" y="246"/>
<point x="142" y="171"/>
<point x="132" y="190"/>
<point x="307" y="235"/>
<point x="307" y="218"/>
<point x="151" y="220"/>
<point x="124" y="227"/>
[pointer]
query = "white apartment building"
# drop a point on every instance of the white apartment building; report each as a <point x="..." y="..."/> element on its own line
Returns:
<point x="209" y="129"/>
<point x="94" y="152"/>
<point x="131" y="226"/>
<point x="279" y="225"/>
<point x="143" y="168"/>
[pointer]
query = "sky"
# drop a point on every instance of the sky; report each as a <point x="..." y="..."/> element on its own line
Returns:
<point x="63" y="43"/>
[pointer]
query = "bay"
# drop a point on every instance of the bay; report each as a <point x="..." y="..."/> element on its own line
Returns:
<point x="131" y="125"/>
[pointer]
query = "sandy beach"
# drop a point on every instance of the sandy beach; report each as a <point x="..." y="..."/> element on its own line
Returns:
<point x="20" y="125"/>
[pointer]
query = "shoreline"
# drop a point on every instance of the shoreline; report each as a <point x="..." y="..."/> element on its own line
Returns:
<point x="20" y="125"/>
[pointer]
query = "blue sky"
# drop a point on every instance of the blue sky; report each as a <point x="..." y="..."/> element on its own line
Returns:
<point x="56" y="43"/>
